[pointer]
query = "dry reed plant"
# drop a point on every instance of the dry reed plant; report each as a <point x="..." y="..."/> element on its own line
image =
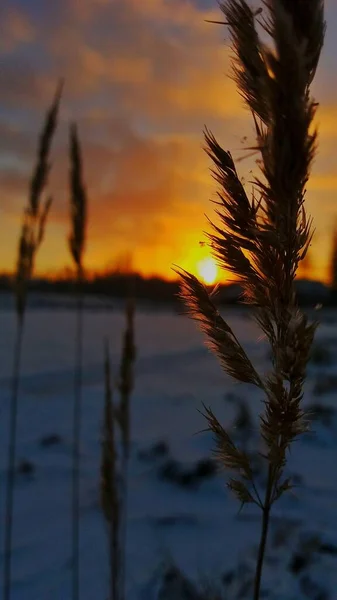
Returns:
<point x="31" y="237"/>
<point x="125" y="383"/>
<point x="114" y="472"/>
<point x="262" y="239"/>
<point x="125" y="386"/>
<point x="109" y="486"/>
<point x="78" y="216"/>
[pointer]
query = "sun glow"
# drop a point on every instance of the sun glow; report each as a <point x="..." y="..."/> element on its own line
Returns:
<point x="208" y="270"/>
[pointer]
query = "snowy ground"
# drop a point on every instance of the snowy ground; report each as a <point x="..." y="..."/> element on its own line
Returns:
<point x="196" y="527"/>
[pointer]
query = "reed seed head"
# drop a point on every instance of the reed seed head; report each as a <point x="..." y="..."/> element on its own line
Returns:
<point x="78" y="202"/>
<point x="263" y="238"/>
<point x="36" y="212"/>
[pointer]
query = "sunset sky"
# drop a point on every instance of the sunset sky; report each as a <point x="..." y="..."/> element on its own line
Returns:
<point x="142" y="78"/>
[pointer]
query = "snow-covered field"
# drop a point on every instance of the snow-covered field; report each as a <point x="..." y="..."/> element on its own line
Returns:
<point x="195" y="523"/>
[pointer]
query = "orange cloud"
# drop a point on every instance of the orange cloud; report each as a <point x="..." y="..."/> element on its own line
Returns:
<point x="16" y="28"/>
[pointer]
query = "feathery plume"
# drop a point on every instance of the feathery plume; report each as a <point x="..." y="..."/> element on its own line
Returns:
<point x="221" y="338"/>
<point x="78" y="202"/>
<point x="78" y="217"/>
<point x="262" y="239"/>
<point x="31" y="237"/>
<point x="36" y="212"/>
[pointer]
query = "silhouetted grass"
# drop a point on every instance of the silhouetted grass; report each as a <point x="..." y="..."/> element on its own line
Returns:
<point x="262" y="239"/>
<point x="109" y="487"/>
<point x="31" y="237"/>
<point x="78" y="215"/>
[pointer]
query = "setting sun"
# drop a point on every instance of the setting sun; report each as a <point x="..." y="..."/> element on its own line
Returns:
<point x="208" y="270"/>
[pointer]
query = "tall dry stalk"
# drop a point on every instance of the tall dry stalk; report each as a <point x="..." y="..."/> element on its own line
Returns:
<point x="125" y="385"/>
<point x="31" y="237"/>
<point x="78" y="215"/>
<point x="263" y="239"/>
<point x="114" y="473"/>
<point x="109" y="485"/>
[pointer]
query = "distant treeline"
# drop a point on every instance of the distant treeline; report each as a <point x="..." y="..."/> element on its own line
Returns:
<point x="113" y="286"/>
<point x="157" y="290"/>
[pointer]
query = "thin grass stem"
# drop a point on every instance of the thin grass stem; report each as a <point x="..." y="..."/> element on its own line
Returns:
<point x="264" y="535"/>
<point x="31" y="236"/>
<point x="9" y="506"/>
<point x="77" y="423"/>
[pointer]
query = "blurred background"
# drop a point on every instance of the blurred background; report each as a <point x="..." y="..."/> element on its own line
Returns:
<point x="142" y="79"/>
